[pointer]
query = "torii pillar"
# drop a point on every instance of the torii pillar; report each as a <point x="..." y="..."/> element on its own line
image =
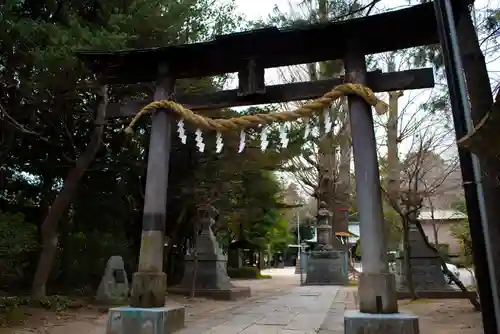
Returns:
<point x="377" y="286"/>
<point x="148" y="312"/>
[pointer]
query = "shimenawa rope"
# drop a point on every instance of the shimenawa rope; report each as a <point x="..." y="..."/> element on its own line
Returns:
<point x="251" y="121"/>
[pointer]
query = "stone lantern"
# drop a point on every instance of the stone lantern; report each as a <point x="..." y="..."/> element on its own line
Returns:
<point x="324" y="227"/>
<point x="205" y="271"/>
<point x="326" y="265"/>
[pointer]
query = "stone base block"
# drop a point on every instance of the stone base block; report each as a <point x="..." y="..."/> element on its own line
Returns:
<point x="148" y="289"/>
<point x="356" y="322"/>
<point x="233" y="293"/>
<point x="132" y="320"/>
<point x="327" y="268"/>
<point x="377" y="293"/>
<point x="426" y="274"/>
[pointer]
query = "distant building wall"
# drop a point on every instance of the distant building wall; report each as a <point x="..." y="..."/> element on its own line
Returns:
<point x="444" y="235"/>
<point x="443" y="228"/>
<point x="354" y="229"/>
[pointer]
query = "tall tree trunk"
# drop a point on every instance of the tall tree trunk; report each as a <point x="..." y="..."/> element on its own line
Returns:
<point x="393" y="163"/>
<point x="327" y="166"/>
<point x="343" y="187"/>
<point x="327" y="161"/>
<point x="45" y="193"/>
<point x="63" y="200"/>
<point x="435" y="230"/>
<point x="332" y="187"/>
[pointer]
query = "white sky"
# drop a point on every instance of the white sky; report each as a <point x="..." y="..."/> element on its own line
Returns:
<point x="261" y="9"/>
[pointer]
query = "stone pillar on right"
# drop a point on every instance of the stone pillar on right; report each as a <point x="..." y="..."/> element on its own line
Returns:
<point x="377" y="286"/>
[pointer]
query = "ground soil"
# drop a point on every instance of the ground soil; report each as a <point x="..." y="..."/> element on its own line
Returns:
<point x="91" y="319"/>
<point x="451" y="316"/>
<point x="436" y="316"/>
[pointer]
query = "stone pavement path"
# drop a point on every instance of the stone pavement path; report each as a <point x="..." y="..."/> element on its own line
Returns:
<point x="278" y="305"/>
<point x="304" y="310"/>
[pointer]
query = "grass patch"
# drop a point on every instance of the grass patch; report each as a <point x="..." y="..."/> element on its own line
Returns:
<point x="12" y="316"/>
<point x="13" y="309"/>
<point x="416" y="301"/>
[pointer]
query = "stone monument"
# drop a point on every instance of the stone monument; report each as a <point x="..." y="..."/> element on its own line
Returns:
<point x="425" y="263"/>
<point x="327" y="261"/>
<point x="425" y="266"/>
<point x="114" y="287"/>
<point x="205" y="270"/>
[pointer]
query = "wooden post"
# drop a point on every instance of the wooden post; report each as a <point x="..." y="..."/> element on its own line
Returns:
<point x="149" y="284"/>
<point x="377" y="287"/>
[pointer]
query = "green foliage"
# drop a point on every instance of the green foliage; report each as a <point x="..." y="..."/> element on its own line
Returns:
<point x="98" y="247"/>
<point x="18" y="242"/>
<point x="393" y="231"/>
<point x="246" y="273"/>
<point x="279" y="237"/>
<point x="461" y="232"/>
<point x="460" y="206"/>
<point x="253" y="212"/>
<point x="393" y="227"/>
<point x="307" y="232"/>
<point x="48" y="98"/>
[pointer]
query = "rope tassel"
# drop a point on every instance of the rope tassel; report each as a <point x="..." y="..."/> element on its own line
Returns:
<point x="242" y="141"/>
<point x="199" y="140"/>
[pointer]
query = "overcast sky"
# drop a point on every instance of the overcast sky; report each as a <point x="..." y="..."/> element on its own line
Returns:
<point x="261" y="9"/>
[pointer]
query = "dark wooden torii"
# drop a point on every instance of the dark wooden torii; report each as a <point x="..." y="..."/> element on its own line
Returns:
<point x="249" y="54"/>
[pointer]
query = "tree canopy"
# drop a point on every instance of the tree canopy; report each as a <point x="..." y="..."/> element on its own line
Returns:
<point x="48" y="107"/>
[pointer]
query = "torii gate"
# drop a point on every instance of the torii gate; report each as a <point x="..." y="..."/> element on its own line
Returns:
<point x="249" y="54"/>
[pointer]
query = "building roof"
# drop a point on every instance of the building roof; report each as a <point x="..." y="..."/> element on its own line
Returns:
<point x="272" y="47"/>
<point x="441" y="215"/>
<point x="346" y="234"/>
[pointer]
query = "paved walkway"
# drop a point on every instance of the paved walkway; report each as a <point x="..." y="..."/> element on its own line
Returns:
<point x="278" y="305"/>
<point x="304" y="310"/>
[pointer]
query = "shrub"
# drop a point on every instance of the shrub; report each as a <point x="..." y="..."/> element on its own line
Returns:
<point x="246" y="273"/>
<point x="460" y="262"/>
<point x="18" y="243"/>
<point x="87" y="254"/>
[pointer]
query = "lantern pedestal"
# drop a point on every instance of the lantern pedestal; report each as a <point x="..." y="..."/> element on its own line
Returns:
<point x="327" y="267"/>
<point x="327" y="264"/>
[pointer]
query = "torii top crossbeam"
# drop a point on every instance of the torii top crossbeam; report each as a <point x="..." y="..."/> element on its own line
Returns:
<point x="272" y="47"/>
